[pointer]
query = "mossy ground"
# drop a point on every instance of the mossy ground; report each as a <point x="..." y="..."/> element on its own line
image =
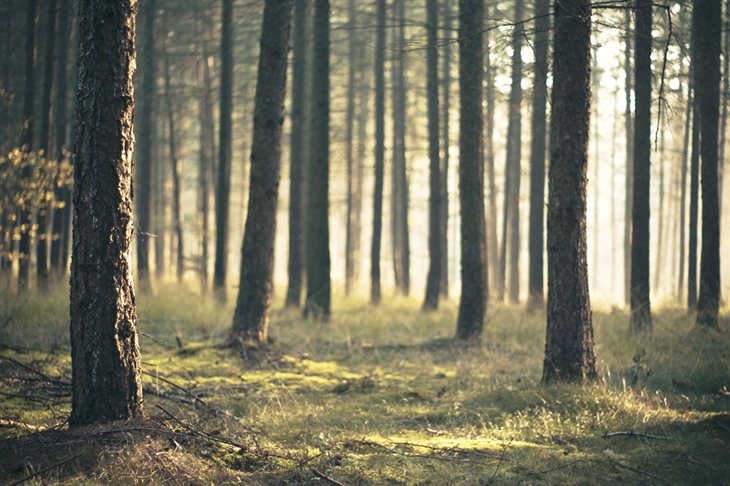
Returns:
<point x="376" y="396"/>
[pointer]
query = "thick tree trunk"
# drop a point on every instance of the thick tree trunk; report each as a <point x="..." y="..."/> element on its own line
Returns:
<point x="297" y="158"/>
<point x="223" y="186"/>
<point x="537" y="156"/>
<point x="105" y="359"/>
<point x="707" y="21"/>
<point x="143" y="154"/>
<point x="473" y="302"/>
<point x="375" y="291"/>
<point x="251" y="318"/>
<point x="446" y="86"/>
<point x="641" y="320"/>
<point x="569" y="354"/>
<point x="317" y="236"/>
<point x="25" y="219"/>
<point x="431" y="300"/>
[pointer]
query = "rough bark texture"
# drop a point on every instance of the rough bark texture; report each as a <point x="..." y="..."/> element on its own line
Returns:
<point x="297" y="157"/>
<point x="569" y="354"/>
<point x="694" y="190"/>
<point x="641" y="320"/>
<point x="375" y="291"/>
<point x="143" y="155"/>
<point x="223" y="187"/>
<point x="104" y="350"/>
<point x="317" y="232"/>
<point x="251" y="318"/>
<point x="708" y="15"/>
<point x="431" y="301"/>
<point x="473" y="302"/>
<point x="537" y="156"/>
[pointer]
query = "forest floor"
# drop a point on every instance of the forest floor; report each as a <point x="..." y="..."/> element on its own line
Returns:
<point x="376" y="396"/>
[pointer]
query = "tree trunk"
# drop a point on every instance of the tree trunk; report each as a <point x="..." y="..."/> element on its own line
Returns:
<point x="694" y="184"/>
<point x="375" y="291"/>
<point x="494" y="261"/>
<point x="62" y="214"/>
<point x="359" y="168"/>
<point x="45" y="209"/>
<point x="444" y="230"/>
<point x="537" y="156"/>
<point x="641" y="320"/>
<point x="251" y="318"/>
<point x="707" y="22"/>
<point x="569" y="354"/>
<point x="159" y="222"/>
<point x="628" y="208"/>
<point x="660" y="248"/>
<point x="297" y="159"/>
<point x="350" y="146"/>
<point x="143" y="156"/>
<point x="317" y="305"/>
<point x="6" y="224"/>
<point x="105" y="359"/>
<point x="25" y="219"/>
<point x="474" y="288"/>
<point x="683" y="184"/>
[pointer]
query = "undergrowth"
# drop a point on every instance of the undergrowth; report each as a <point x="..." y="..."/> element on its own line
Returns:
<point x="376" y="396"/>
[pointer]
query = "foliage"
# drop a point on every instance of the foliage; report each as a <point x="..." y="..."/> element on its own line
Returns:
<point x="383" y="396"/>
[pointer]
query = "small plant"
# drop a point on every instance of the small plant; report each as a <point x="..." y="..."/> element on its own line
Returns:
<point x="639" y="370"/>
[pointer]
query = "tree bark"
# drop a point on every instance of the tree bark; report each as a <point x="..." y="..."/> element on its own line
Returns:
<point x="431" y="300"/>
<point x="444" y="230"/>
<point x="105" y="358"/>
<point x="350" y="146"/>
<point x="569" y="354"/>
<point x="683" y="184"/>
<point x="473" y="302"/>
<point x="317" y="305"/>
<point x="537" y="155"/>
<point x="251" y="318"/>
<point x="492" y="238"/>
<point x="628" y="208"/>
<point x="375" y="291"/>
<point x="641" y="319"/>
<point x="297" y="160"/>
<point x="707" y="21"/>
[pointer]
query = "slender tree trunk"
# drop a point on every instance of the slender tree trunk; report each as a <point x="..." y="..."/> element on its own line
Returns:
<point x="207" y="156"/>
<point x="537" y="156"/>
<point x="595" y="93"/>
<point x="431" y="300"/>
<point x="683" y="184"/>
<point x="474" y="287"/>
<point x="223" y="187"/>
<point x="694" y="184"/>
<point x="317" y="246"/>
<point x="569" y="352"/>
<point x="6" y="224"/>
<point x="105" y="360"/>
<point x="145" y="136"/>
<point x="641" y="320"/>
<point x="707" y="21"/>
<point x="44" y="217"/>
<point x="350" y="146"/>
<point x="724" y="104"/>
<point x="659" y="259"/>
<point x="25" y="219"/>
<point x="359" y="168"/>
<point x="62" y="214"/>
<point x="297" y="159"/>
<point x="614" y="132"/>
<point x="628" y="208"/>
<point x="375" y="291"/>
<point x="251" y="318"/>
<point x="160" y="197"/>
<point x="446" y="82"/>
<point x="494" y="261"/>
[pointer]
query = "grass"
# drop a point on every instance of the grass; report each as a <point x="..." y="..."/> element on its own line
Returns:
<point x="376" y="396"/>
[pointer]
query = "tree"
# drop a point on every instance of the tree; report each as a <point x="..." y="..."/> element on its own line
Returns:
<point x="105" y="358"/>
<point x="375" y="292"/>
<point x="629" y="122"/>
<point x="251" y="318"/>
<point x="297" y="156"/>
<point x="317" y="231"/>
<point x="351" y="232"/>
<point x="446" y="87"/>
<point x="223" y="186"/>
<point x="143" y="156"/>
<point x="537" y="156"/>
<point x="707" y="23"/>
<point x="473" y="302"/>
<point x="569" y="354"/>
<point x="433" y="281"/>
<point x="641" y="320"/>
<point x="493" y="260"/>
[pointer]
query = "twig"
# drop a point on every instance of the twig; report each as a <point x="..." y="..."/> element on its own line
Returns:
<point x="171" y="383"/>
<point x="202" y="433"/>
<point x="562" y="466"/>
<point x="499" y="464"/>
<point x="33" y="370"/>
<point x="322" y="475"/>
<point x="633" y="433"/>
<point x="637" y="470"/>
<point x="45" y="470"/>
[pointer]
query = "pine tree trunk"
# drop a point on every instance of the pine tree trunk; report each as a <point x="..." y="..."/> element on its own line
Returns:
<point x="683" y="184"/>
<point x="537" y="156"/>
<point x="251" y="318"/>
<point x="473" y="302"/>
<point x="223" y="186"/>
<point x="694" y="184"/>
<point x="350" y="147"/>
<point x="494" y="262"/>
<point x="569" y="353"/>
<point x="431" y="300"/>
<point x="105" y="358"/>
<point x="375" y="291"/>
<point x="628" y="207"/>
<point x="317" y="305"/>
<point x="446" y="82"/>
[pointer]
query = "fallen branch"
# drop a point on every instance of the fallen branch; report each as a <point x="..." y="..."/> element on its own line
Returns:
<point x="12" y="424"/>
<point x="633" y="433"/>
<point x="637" y="470"/>
<point x="46" y="469"/>
<point x="35" y="371"/>
<point x="202" y="433"/>
<point x="322" y="475"/>
<point x="173" y="384"/>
